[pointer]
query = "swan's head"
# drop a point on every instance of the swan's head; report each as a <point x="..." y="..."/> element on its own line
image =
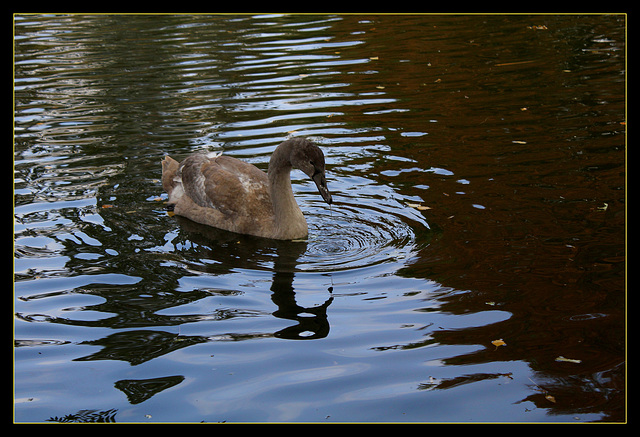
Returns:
<point x="308" y="157"/>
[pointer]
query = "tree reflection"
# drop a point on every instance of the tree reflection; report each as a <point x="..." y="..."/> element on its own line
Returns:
<point x="139" y="390"/>
<point x="139" y="346"/>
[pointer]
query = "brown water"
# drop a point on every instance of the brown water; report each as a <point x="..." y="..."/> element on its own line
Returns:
<point x="510" y="130"/>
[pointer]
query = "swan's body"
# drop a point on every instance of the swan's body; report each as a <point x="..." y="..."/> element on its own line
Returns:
<point x="230" y="194"/>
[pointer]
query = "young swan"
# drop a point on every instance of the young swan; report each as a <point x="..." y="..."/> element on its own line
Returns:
<point x="230" y="194"/>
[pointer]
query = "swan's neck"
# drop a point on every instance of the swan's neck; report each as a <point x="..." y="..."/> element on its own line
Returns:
<point x="290" y="222"/>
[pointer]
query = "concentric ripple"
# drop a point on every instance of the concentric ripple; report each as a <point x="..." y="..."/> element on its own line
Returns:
<point x="367" y="225"/>
<point x="358" y="238"/>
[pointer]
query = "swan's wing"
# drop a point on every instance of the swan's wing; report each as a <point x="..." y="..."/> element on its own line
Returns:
<point x="233" y="187"/>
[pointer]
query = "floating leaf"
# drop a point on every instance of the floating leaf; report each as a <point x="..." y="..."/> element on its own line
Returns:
<point x="498" y="343"/>
<point x="514" y="63"/>
<point x="547" y="396"/>
<point x="418" y="206"/>
<point x="567" y="360"/>
<point x="106" y="205"/>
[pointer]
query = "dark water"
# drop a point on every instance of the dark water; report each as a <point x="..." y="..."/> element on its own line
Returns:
<point x="510" y="129"/>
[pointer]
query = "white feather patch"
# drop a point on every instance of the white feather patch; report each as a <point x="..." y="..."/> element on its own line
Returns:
<point x="176" y="193"/>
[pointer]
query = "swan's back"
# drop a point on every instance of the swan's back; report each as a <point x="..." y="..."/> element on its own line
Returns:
<point x="225" y="183"/>
<point x="220" y="191"/>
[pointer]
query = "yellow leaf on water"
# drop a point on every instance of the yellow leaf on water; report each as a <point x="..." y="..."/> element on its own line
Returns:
<point x="568" y="360"/>
<point x="550" y="398"/>
<point x="513" y="63"/>
<point x="499" y="342"/>
<point x="418" y="206"/>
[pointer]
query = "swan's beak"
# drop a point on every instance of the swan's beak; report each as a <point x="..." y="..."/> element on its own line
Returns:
<point x="321" y="183"/>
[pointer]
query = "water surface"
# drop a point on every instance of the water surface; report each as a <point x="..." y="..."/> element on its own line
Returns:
<point x="477" y="165"/>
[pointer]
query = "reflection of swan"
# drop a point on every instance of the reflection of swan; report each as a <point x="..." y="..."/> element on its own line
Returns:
<point x="312" y="322"/>
<point x="230" y="194"/>
<point x="231" y="251"/>
<point x="236" y="251"/>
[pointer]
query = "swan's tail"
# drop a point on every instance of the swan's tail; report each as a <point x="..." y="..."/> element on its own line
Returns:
<point x="169" y="170"/>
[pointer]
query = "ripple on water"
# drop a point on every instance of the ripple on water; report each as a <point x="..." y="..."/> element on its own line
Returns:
<point x="352" y="235"/>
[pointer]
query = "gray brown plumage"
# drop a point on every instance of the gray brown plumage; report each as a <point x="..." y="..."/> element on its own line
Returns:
<point x="230" y="194"/>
